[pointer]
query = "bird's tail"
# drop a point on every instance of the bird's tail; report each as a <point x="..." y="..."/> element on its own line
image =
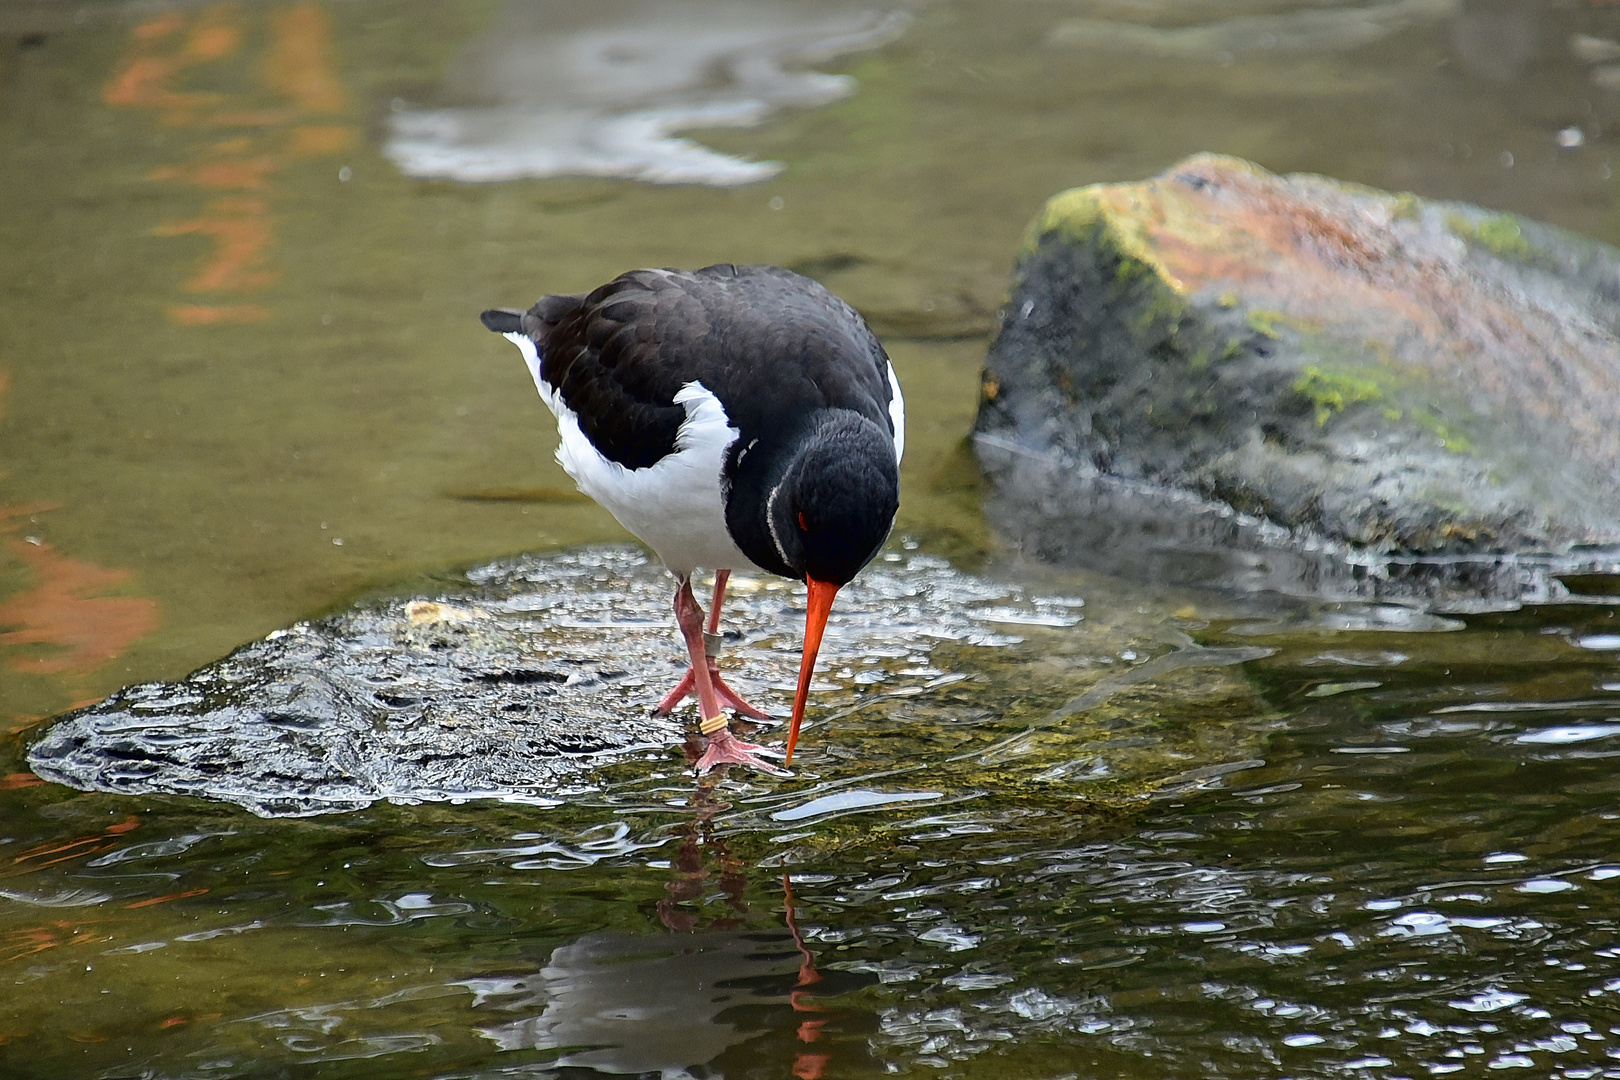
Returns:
<point x="503" y="320"/>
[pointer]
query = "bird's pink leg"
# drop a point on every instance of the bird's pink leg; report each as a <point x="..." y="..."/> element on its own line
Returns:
<point x="724" y="747"/>
<point x="682" y="691"/>
<point x="726" y="695"/>
<point x="720" y="579"/>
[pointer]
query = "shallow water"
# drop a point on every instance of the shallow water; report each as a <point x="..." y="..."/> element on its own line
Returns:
<point x="1374" y="845"/>
<point x="236" y="334"/>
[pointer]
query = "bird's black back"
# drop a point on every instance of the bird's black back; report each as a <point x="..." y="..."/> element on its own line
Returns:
<point x="772" y="346"/>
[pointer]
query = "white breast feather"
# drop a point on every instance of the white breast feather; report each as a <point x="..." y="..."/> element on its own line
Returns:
<point x="897" y="414"/>
<point x="673" y="506"/>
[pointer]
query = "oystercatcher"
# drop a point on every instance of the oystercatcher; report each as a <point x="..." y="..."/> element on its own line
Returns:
<point x="729" y="417"/>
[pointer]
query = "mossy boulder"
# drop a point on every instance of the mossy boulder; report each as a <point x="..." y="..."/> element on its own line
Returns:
<point x="1228" y="376"/>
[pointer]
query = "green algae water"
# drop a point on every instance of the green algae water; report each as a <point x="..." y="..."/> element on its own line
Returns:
<point x="242" y="383"/>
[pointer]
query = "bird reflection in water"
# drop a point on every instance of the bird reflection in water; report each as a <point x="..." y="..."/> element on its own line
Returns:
<point x="699" y="846"/>
<point x="668" y="1006"/>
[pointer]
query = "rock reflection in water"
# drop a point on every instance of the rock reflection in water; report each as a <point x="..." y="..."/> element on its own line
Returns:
<point x="599" y="89"/>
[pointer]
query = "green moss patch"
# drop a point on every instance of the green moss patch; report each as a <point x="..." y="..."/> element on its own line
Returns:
<point x="1449" y="437"/>
<point x="1332" y="392"/>
<point x="1499" y="234"/>
<point x="1267" y="322"/>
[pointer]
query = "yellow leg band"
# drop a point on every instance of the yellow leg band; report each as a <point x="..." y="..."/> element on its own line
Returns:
<point x="712" y="724"/>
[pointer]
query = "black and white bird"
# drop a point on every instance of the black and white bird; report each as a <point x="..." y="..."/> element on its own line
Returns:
<point x="734" y="416"/>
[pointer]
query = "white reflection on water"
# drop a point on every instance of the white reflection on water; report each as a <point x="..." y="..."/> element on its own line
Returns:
<point x="1310" y="29"/>
<point x="633" y="1004"/>
<point x="850" y="800"/>
<point x="1570" y="734"/>
<point x="600" y="89"/>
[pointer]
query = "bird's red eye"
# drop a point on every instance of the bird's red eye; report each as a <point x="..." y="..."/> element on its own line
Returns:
<point x="802" y="526"/>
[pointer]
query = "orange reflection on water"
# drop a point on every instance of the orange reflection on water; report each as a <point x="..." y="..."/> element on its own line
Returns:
<point x="297" y="68"/>
<point x="149" y="901"/>
<point x="250" y="174"/>
<point x="312" y="141"/>
<point x="300" y="65"/>
<point x="62" y="607"/>
<point x="66" y="608"/>
<point x="16" y="944"/>
<point x="52" y="852"/>
<point x="806" y="1066"/>
<point x="147" y="76"/>
<point x="241" y="231"/>
<point x="216" y="314"/>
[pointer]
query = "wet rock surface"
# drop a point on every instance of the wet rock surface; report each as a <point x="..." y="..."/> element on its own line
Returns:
<point x="534" y="684"/>
<point x="1225" y="376"/>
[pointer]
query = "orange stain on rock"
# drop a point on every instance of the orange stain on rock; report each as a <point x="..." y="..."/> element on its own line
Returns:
<point x="300" y="65"/>
<point x="66" y="609"/>
<point x="13" y="781"/>
<point x="1372" y="266"/>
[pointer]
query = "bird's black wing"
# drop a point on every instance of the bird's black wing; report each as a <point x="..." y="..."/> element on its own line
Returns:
<point x="779" y="346"/>
<point x="600" y="353"/>
<point x="771" y="345"/>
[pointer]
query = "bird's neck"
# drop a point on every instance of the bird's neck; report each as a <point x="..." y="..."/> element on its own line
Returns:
<point x="754" y="469"/>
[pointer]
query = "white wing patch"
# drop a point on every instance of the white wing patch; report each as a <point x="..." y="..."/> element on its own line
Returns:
<point x="674" y="505"/>
<point x="897" y="415"/>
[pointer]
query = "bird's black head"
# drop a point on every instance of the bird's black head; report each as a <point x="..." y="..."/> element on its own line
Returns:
<point x="836" y="502"/>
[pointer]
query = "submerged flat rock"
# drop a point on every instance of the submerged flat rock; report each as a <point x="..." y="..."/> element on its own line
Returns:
<point x="533" y="683"/>
<point x="1224" y="376"/>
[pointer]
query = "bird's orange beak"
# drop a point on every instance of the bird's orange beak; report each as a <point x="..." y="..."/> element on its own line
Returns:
<point x="815" y="622"/>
